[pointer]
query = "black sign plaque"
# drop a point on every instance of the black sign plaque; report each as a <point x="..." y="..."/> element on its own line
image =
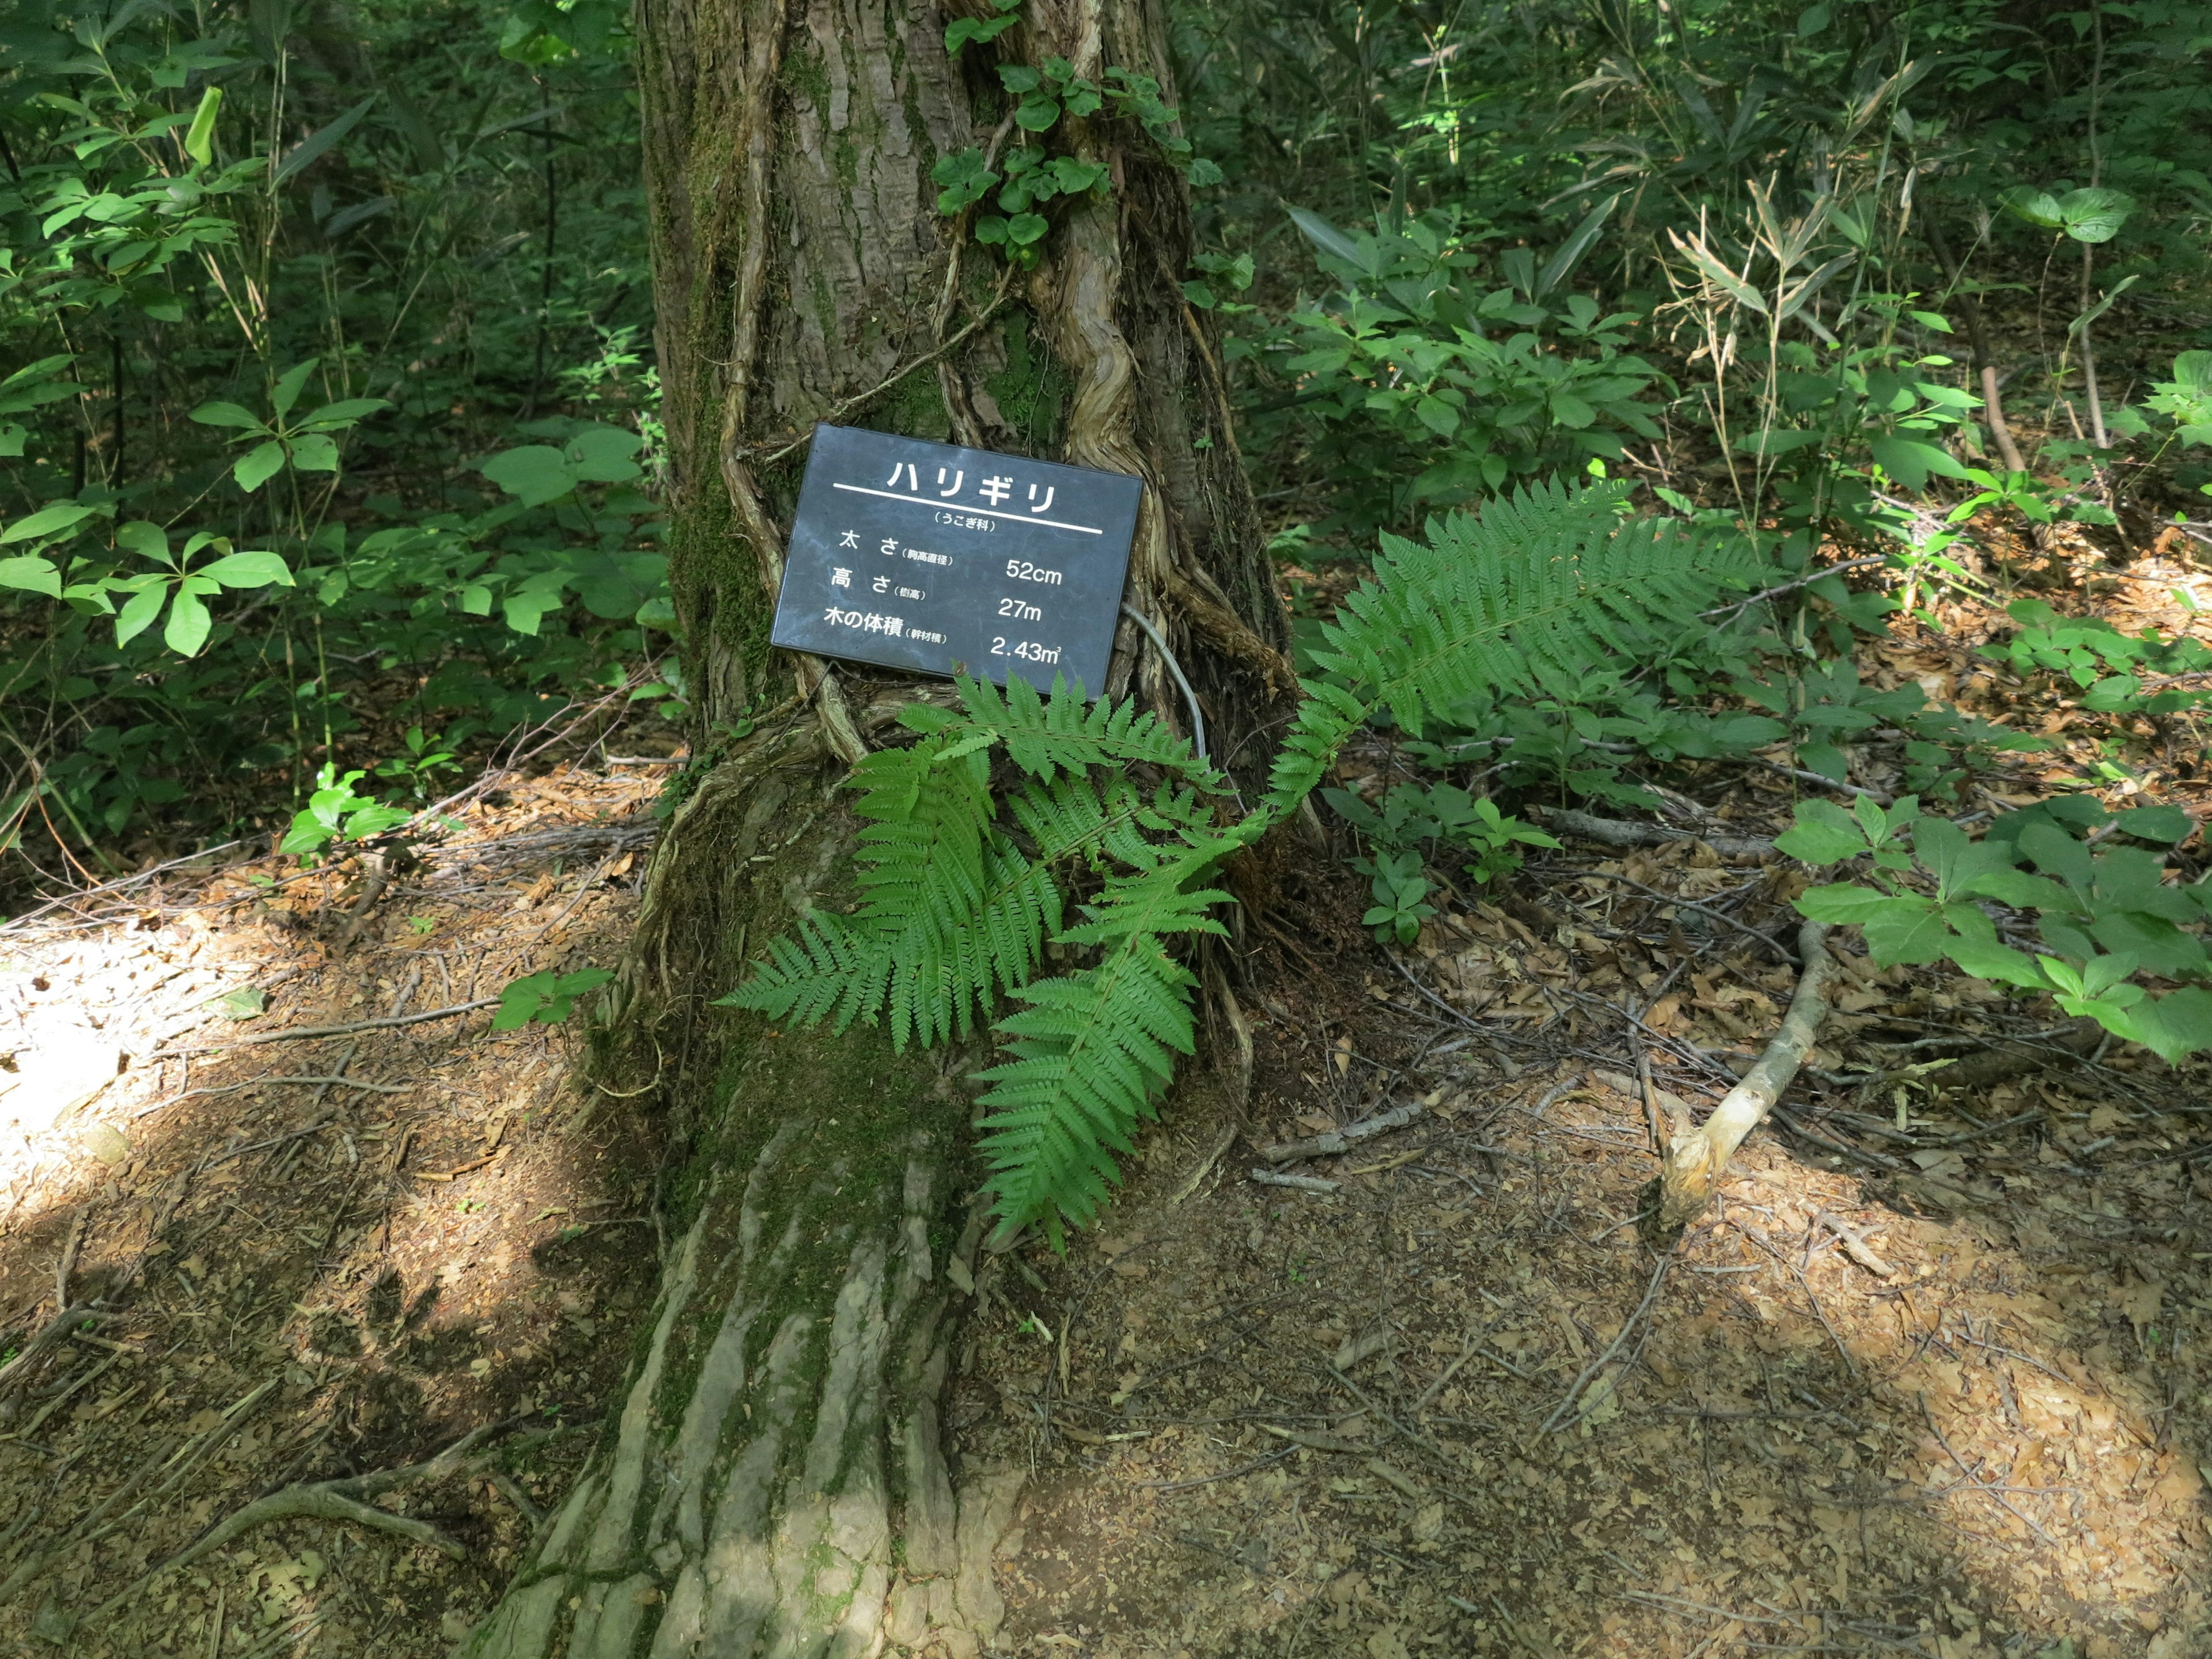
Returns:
<point x="931" y="557"/>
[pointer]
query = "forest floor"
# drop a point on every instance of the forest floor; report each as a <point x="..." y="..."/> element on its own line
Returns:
<point x="1935" y="1377"/>
<point x="317" y="1257"/>
<point x="1455" y="1406"/>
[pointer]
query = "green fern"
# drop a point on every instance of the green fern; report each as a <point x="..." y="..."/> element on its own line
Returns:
<point x="957" y="904"/>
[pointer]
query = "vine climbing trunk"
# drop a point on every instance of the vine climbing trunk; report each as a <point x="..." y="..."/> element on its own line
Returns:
<point x="775" y="1480"/>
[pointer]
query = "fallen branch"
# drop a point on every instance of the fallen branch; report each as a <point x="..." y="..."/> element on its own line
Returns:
<point x="1340" y="1140"/>
<point x="264" y="1082"/>
<point x="12" y="1373"/>
<point x="1301" y="1183"/>
<point x="1695" y="1161"/>
<point x="1617" y="832"/>
<point x="302" y="1033"/>
<point x="175" y="1467"/>
<point x="1854" y="1245"/>
<point x="1681" y="904"/>
<point x="1565" y="1411"/>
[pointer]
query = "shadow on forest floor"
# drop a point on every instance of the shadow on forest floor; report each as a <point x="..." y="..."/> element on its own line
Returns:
<point x="1278" y="1423"/>
<point x="297" y="1278"/>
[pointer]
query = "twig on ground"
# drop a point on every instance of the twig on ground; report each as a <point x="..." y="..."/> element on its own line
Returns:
<point x="1989" y="1489"/>
<point x="1616" y="832"/>
<point x="1767" y="939"/>
<point x="1826" y="571"/>
<point x="1253" y="1468"/>
<point x="1854" y="1245"/>
<point x="302" y="1033"/>
<point x="52" y="1332"/>
<point x="180" y="1465"/>
<point x="372" y="889"/>
<point x="1301" y="1183"/>
<point x="1333" y="1141"/>
<point x="108" y="887"/>
<point x="66" y="1265"/>
<point x="268" y="1081"/>
<point x="349" y="1498"/>
<point x="1565" y="1411"/>
<point x="1695" y="1162"/>
<point x="1205" y="1165"/>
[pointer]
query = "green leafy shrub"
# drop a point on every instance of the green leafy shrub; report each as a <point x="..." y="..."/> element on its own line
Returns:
<point x="1414" y="819"/>
<point x="955" y="911"/>
<point x="2108" y="667"/>
<point x="2106" y="919"/>
<point x="1412" y="386"/>
<point x="545" y="999"/>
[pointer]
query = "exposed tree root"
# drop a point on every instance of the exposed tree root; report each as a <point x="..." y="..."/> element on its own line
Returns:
<point x="345" y="1500"/>
<point x="1696" y="1159"/>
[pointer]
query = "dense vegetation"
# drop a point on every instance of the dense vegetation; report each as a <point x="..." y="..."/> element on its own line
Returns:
<point x="329" y="422"/>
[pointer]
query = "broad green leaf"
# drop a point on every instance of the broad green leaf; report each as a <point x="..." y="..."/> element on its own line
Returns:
<point x="259" y="464"/>
<point x="247" y="1002"/>
<point x="311" y="148"/>
<point x="1911" y="930"/>
<point x="33" y="574"/>
<point x="1026" y="227"/>
<point x="248" y="570"/>
<point x="2094" y="215"/>
<point x="2038" y="207"/>
<point x="604" y="454"/>
<point x="534" y="474"/>
<point x="1909" y="461"/>
<point x="289" y="387"/>
<point x="46" y="521"/>
<point x="1569" y="411"/>
<point x="2017" y="889"/>
<point x="344" y="412"/>
<point x="1823" y="833"/>
<point x="138" y="613"/>
<point x="1439" y="417"/>
<point x="145" y="538"/>
<point x="199" y="138"/>
<point x="1956" y="862"/>
<point x="1848" y="903"/>
<point x="2159" y="824"/>
<point x="189" y="623"/>
<point x="222" y="414"/>
<point x="1825" y="758"/>
<point x="315" y="453"/>
<point x="2174" y="1026"/>
<point x="1987" y="959"/>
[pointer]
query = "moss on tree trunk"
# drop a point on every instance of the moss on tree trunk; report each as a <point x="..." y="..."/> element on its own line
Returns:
<point x="772" y="1481"/>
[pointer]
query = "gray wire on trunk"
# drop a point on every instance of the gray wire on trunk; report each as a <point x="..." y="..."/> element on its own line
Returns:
<point x="1190" y="697"/>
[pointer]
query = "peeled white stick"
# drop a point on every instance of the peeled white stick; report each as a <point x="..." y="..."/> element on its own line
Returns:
<point x="1697" y="1158"/>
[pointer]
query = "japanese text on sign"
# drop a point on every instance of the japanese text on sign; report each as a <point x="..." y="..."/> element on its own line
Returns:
<point x="935" y="558"/>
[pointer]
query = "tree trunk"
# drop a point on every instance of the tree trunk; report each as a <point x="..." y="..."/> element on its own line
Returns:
<point x="774" y="1482"/>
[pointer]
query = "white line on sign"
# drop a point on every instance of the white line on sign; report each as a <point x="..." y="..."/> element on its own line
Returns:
<point x="972" y="512"/>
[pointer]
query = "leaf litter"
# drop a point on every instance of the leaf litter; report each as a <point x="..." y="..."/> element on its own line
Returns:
<point x="1933" y="1377"/>
<point x="322" y="1259"/>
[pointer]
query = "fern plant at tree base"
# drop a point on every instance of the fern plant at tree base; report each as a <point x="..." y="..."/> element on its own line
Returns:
<point x="962" y="888"/>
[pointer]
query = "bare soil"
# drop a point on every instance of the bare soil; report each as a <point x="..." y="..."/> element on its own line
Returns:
<point x="1934" y="1376"/>
<point x="452" y="1235"/>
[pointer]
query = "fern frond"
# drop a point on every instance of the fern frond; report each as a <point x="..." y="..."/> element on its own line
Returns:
<point x="1046" y="736"/>
<point x="1093" y="1048"/>
<point x="1091" y="1052"/>
<point x="1548" y="578"/>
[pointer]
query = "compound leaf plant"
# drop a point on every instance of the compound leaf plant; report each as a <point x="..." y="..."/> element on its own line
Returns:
<point x="962" y="888"/>
<point x="2110" y="927"/>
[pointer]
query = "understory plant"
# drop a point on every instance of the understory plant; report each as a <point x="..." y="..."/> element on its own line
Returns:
<point x="2113" y="938"/>
<point x="963" y="887"/>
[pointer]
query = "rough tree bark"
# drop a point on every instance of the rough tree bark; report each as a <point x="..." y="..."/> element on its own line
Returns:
<point x="774" y="1480"/>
